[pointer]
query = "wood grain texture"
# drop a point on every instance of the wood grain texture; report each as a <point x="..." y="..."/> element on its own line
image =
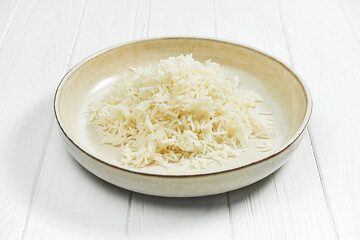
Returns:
<point x="169" y="18"/>
<point x="352" y="9"/>
<point x="32" y="60"/>
<point x="179" y="218"/>
<point x="290" y="204"/>
<point x="8" y="12"/>
<point x="69" y="202"/>
<point x="326" y="52"/>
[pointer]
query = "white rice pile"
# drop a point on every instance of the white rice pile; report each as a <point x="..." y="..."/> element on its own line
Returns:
<point x="179" y="111"/>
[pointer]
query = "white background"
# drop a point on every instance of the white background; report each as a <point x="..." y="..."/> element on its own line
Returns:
<point x="46" y="194"/>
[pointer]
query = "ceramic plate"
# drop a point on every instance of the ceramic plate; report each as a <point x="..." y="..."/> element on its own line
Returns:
<point x="285" y="94"/>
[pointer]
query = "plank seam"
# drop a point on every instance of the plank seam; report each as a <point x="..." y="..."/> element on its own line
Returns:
<point x="281" y="213"/>
<point x="146" y="30"/>
<point x="215" y="22"/>
<point x="285" y="33"/>
<point x="349" y="21"/>
<point x="332" y="220"/>
<point x="147" y="22"/>
<point x="128" y="214"/>
<point x="37" y="176"/>
<point x="10" y="24"/>
<point x="230" y="217"/>
<point x="135" y="17"/>
<point x="48" y="135"/>
<point x="77" y="33"/>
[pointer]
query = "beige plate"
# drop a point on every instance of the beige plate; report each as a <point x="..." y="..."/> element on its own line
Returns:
<point x="285" y="94"/>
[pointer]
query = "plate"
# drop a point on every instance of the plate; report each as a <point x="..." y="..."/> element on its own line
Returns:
<point x="285" y="95"/>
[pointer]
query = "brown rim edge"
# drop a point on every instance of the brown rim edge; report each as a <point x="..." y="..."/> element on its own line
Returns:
<point x="299" y="132"/>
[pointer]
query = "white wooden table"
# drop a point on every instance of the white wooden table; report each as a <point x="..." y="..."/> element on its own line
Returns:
<point x="46" y="194"/>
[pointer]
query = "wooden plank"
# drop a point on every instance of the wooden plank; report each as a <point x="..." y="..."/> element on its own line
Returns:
<point x="108" y="24"/>
<point x="69" y="202"/>
<point x="181" y="18"/>
<point x="325" y="50"/>
<point x="171" y="218"/>
<point x="178" y="218"/>
<point x="8" y="12"/>
<point x="289" y="204"/>
<point x="32" y="60"/>
<point x="254" y="23"/>
<point x="352" y="9"/>
<point x="284" y="205"/>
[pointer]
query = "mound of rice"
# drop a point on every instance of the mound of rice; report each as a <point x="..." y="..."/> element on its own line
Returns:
<point x="179" y="111"/>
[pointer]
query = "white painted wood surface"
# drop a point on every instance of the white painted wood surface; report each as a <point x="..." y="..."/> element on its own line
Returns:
<point x="34" y="56"/>
<point x="45" y="194"/>
<point x="294" y="205"/>
<point x="329" y="56"/>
